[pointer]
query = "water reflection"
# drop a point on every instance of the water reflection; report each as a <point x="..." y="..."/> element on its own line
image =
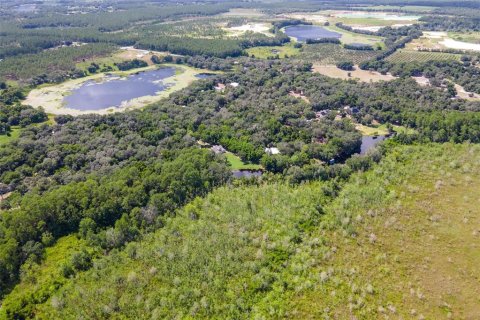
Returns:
<point x="115" y="90"/>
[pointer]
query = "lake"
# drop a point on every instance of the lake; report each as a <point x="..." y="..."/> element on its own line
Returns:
<point x="114" y="90"/>
<point x="304" y="32"/>
<point x="246" y="173"/>
<point x="369" y="142"/>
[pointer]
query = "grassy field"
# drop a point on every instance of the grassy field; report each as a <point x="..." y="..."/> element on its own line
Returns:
<point x="467" y="36"/>
<point x="404" y="8"/>
<point x="414" y="254"/>
<point x="101" y="61"/>
<point x="418" y="56"/>
<point x="272" y="51"/>
<point x="382" y="130"/>
<point x="237" y="164"/>
<point x="352" y="37"/>
<point x="365" y="22"/>
<point x="14" y="134"/>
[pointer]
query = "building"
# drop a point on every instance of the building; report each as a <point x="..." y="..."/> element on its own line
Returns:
<point x="272" y="151"/>
<point x="217" y="149"/>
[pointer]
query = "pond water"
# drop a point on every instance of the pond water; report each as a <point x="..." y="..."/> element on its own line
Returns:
<point x="369" y="142"/>
<point x="205" y="75"/>
<point x="304" y="32"/>
<point x="246" y="173"/>
<point x="114" y="90"/>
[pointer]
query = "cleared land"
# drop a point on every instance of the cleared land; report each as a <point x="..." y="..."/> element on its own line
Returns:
<point x="381" y="129"/>
<point x="14" y="134"/>
<point x="272" y="51"/>
<point x="403" y="8"/>
<point x="467" y="36"/>
<point x="461" y="93"/>
<point x="51" y="97"/>
<point x="237" y="164"/>
<point x="359" y="74"/>
<point x="124" y="54"/>
<point x="256" y="27"/>
<point x="442" y="40"/>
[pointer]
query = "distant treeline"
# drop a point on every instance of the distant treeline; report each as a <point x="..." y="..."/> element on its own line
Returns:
<point x="323" y="40"/>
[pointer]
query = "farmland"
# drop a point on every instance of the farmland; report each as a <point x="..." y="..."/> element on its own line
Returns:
<point x="419" y="56"/>
<point x="327" y="54"/>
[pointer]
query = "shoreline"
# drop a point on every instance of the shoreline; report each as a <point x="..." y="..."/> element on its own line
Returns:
<point x="51" y="97"/>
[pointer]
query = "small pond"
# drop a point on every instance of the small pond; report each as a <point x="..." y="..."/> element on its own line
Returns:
<point x="114" y="90"/>
<point x="246" y="173"/>
<point x="304" y="32"/>
<point x="369" y="142"/>
<point x="205" y="75"/>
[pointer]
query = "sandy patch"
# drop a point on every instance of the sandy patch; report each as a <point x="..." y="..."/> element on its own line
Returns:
<point x="51" y="97"/>
<point x="5" y="196"/>
<point x="461" y="93"/>
<point x="437" y="40"/>
<point x="454" y="44"/>
<point x="434" y="34"/>
<point x="317" y="18"/>
<point x="376" y="28"/>
<point x="422" y="81"/>
<point x="251" y="27"/>
<point x="361" y="75"/>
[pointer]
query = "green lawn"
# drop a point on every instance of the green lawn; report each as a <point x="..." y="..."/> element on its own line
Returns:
<point x="237" y="164"/>
<point x="14" y="134"/>
<point x="382" y="130"/>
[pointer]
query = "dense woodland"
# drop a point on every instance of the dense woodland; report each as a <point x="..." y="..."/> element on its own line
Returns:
<point x="141" y="188"/>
